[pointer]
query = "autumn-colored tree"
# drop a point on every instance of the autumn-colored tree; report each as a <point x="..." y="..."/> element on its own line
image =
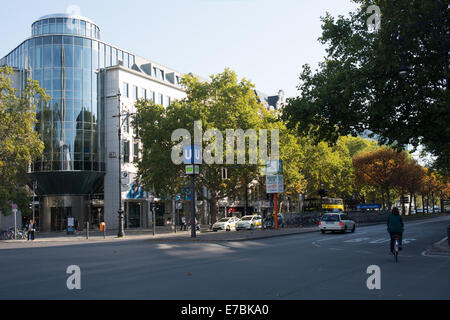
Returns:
<point x="430" y="188"/>
<point x="380" y="169"/>
<point x="410" y="179"/>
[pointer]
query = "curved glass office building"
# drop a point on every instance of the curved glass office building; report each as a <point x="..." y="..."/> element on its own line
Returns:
<point x="78" y="173"/>
<point x="65" y="54"/>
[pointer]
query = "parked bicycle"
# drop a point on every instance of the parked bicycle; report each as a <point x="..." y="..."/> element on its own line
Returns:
<point x="9" y="235"/>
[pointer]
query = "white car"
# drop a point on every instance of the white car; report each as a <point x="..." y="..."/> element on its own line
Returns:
<point x="336" y="221"/>
<point x="249" y="223"/>
<point x="227" y="224"/>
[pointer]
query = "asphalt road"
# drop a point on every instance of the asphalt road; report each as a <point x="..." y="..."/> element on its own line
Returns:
<point x="305" y="266"/>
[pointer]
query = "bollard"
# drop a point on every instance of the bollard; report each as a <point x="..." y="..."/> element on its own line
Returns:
<point x="87" y="230"/>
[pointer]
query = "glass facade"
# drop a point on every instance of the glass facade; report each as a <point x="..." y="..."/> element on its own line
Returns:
<point x="72" y="26"/>
<point x="68" y="59"/>
<point x="65" y="56"/>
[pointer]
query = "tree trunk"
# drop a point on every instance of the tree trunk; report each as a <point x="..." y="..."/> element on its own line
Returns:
<point x="432" y="201"/>
<point x="410" y="203"/>
<point x="403" y="203"/>
<point x="423" y="203"/>
<point x="213" y="208"/>
<point x="415" y="202"/>
<point x="388" y="198"/>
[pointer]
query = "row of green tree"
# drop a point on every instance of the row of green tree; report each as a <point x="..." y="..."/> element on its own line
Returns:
<point x="353" y="168"/>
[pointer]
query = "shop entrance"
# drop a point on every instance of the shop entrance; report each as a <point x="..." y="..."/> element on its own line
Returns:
<point x="133" y="215"/>
<point x="97" y="216"/>
<point x="59" y="218"/>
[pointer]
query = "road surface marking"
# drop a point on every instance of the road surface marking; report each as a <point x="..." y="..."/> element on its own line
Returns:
<point x="427" y="253"/>
<point x="380" y="240"/>
<point x="357" y="240"/>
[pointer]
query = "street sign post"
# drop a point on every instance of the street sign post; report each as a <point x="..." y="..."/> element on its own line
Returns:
<point x="275" y="185"/>
<point x="192" y="158"/>
<point x="274" y="167"/>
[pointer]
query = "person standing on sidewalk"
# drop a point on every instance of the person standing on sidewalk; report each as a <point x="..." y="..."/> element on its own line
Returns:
<point x="31" y="230"/>
<point x="183" y="223"/>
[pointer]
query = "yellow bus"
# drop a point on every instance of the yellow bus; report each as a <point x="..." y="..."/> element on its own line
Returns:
<point x="328" y="204"/>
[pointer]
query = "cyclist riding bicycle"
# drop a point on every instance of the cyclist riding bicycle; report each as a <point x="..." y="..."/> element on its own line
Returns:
<point x="395" y="227"/>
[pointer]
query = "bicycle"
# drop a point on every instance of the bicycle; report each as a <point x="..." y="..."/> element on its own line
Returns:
<point x="396" y="247"/>
<point x="22" y="235"/>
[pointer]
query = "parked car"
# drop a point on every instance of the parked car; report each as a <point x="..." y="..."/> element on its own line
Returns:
<point x="336" y="221"/>
<point x="268" y="222"/>
<point x="227" y="224"/>
<point x="249" y="223"/>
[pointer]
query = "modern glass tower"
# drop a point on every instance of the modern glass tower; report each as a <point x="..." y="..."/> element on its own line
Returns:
<point x="65" y="54"/>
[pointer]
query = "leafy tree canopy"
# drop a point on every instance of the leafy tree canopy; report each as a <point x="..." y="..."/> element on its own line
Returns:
<point x="19" y="142"/>
<point x="358" y="89"/>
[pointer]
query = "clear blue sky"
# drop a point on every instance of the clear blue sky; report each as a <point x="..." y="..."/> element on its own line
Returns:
<point x="265" y="41"/>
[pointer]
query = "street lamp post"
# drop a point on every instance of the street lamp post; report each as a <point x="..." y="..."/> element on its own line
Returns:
<point x="121" y="233"/>
<point x="126" y="114"/>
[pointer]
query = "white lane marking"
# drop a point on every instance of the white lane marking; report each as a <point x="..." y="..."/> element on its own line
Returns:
<point x="427" y="254"/>
<point x="357" y="240"/>
<point x="406" y="241"/>
<point x="315" y="243"/>
<point x="380" y="240"/>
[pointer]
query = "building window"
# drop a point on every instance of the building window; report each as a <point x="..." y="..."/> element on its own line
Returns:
<point x="152" y="96"/>
<point x="136" y="152"/>
<point x="168" y="101"/>
<point x="135" y="93"/>
<point x="144" y="94"/>
<point x="127" y="125"/>
<point x="126" y="91"/>
<point x="160" y="99"/>
<point x="126" y="151"/>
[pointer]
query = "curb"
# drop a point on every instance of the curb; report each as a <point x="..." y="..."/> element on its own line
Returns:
<point x="440" y="247"/>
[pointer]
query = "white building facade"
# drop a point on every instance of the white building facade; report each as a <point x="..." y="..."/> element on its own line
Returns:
<point x="133" y="85"/>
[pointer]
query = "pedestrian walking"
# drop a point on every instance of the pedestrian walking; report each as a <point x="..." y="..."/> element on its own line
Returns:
<point x="183" y="223"/>
<point x="31" y="230"/>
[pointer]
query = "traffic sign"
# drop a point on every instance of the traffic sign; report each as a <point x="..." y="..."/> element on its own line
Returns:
<point x="274" y="184"/>
<point x="274" y="167"/>
<point x="192" y="155"/>
<point x="190" y="169"/>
